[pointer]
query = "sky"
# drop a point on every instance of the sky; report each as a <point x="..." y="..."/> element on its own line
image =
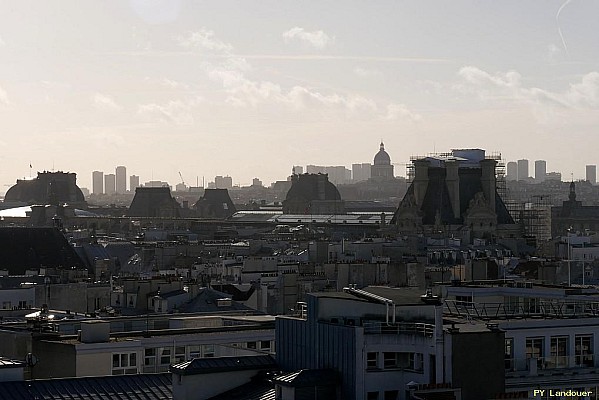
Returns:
<point x="250" y="88"/>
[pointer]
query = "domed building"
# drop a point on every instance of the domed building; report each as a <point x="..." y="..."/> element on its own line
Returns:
<point x="47" y="188"/>
<point x="382" y="168"/>
<point x="312" y="194"/>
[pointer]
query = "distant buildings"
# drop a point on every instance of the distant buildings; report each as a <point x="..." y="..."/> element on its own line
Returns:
<point x="109" y="184"/>
<point x="121" y="179"/>
<point x="223" y="182"/>
<point x="47" y="188"/>
<point x="215" y="203"/>
<point x="312" y="194"/>
<point x="97" y="182"/>
<point x="154" y="202"/>
<point x="512" y="171"/>
<point x="133" y="182"/>
<point x="297" y="170"/>
<point x="361" y="172"/>
<point x="522" y="170"/>
<point x="540" y="170"/>
<point x="457" y="195"/>
<point x="337" y="174"/>
<point x="382" y="168"/>
<point x="591" y="174"/>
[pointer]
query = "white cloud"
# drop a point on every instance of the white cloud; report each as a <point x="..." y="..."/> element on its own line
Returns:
<point x="400" y="111"/>
<point x="204" y="39"/>
<point x="3" y="96"/>
<point x="318" y="39"/>
<point x="178" y="112"/>
<point x="104" y="102"/>
<point x="231" y="71"/>
<point x="509" y="86"/>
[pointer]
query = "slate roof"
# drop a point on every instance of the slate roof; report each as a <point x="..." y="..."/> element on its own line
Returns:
<point x="223" y="364"/>
<point x="122" y="387"/>
<point x="30" y="248"/>
<point x="437" y="197"/>
<point x="206" y="301"/>
<point x="153" y="202"/>
<point x="47" y="188"/>
<point x="260" y="388"/>
<point x="215" y="203"/>
<point x="308" y="377"/>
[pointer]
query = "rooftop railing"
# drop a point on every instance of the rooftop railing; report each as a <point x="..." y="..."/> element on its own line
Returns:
<point x="399" y="328"/>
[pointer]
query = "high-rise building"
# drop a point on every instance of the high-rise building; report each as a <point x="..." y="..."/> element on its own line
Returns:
<point x="97" y="182"/>
<point x="133" y="182"/>
<point x="109" y="184"/>
<point x="512" y="171"/>
<point x="121" y="179"/>
<point x="223" y="182"/>
<point x="540" y="170"/>
<point x="361" y="172"/>
<point x="256" y="182"/>
<point x="522" y="170"/>
<point x="592" y="174"/>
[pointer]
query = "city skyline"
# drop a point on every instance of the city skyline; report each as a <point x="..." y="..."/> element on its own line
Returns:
<point x="211" y="89"/>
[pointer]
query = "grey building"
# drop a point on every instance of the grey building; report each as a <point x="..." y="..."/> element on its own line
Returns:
<point x="109" y="184"/>
<point x="121" y="179"/>
<point x="591" y="174"/>
<point x="97" y="182"/>
<point x="540" y="170"/>
<point x="522" y="170"/>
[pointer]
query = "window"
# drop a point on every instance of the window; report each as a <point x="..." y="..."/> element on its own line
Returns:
<point x="124" y="363"/>
<point x="265" y="345"/>
<point x="416" y="361"/>
<point x="194" y="351"/>
<point x="391" y="394"/>
<point x="583" y="348"/>
<point x="534" y="349"/>
<point x="372" y="360"/>
<point x="390" y="360"/>
<point x="165" y="355"/>
<point x="209" y="350"/>
<point x="179" y="354"/>
<point x="509" y="354"/>
<point x="559" y="352"/>
<point x="372" y="396"/>
<point x="251" y="345"/>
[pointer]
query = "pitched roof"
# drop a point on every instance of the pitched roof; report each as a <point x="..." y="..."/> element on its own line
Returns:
<point x="222" y="364"/>
<point x="122" y="387"/>
<point x="308" y="377"/>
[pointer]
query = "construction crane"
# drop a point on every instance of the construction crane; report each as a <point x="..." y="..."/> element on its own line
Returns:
<point x="182" y="181"/>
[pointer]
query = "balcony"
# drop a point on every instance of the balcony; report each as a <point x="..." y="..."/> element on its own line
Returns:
<point x="399" y="328"/>
<point x="551" y="365"/>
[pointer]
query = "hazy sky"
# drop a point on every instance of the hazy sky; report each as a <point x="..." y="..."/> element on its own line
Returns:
<point x="249" y="88"/>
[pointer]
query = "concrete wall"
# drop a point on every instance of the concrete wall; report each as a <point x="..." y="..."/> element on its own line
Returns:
<point x="95" y="364"/>
<point x="55" y="360"/>
<point x="478" y="364"/>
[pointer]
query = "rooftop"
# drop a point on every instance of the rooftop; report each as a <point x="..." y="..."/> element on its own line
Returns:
<point x="222" y="364"/>
<point x="124" y="387"/>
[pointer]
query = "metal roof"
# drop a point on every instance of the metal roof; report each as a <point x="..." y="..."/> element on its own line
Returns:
<point x="309" y="377"/>
<point x="8" y="363"/>
<point x="222" y="364"/>
<point x="122" y="387"/>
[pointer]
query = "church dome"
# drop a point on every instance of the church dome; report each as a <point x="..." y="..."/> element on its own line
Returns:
<point x="382" y="158"/>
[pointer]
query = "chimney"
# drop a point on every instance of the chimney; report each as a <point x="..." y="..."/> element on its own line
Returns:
<point x="420" y="180"/>
<point x="488" y="181"/>
<point x="452" y="180"/>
